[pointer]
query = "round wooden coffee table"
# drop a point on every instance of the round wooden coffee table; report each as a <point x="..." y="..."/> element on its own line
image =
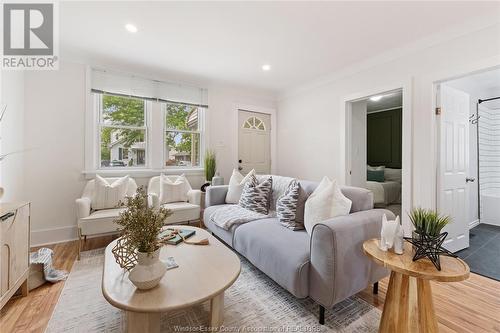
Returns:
<point x="204" y="273"/>
<point x="408" y="304"/>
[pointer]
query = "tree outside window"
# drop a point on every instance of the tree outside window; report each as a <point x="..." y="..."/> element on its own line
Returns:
<point x="182" y="135"/>
<point x="122" y="132"/>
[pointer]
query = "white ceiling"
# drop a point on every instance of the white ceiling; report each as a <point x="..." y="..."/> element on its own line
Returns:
<point x="230" y="41"/>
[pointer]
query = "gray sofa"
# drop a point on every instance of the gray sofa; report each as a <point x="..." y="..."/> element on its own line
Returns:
<point x="329" y="266"/>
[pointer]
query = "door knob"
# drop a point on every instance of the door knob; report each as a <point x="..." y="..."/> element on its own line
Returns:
<point x="470" y="179"/>
<point x="239" y="161"/>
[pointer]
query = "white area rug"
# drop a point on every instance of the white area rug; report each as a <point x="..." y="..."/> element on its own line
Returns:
<point x="254" y="303"/>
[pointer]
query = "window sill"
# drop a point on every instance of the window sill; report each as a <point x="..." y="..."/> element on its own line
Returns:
<point x="141" y="173"/>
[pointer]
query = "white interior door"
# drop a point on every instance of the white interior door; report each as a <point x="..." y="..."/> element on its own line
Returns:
<point x="254" y="144"/>
<point x="454" y="165"/>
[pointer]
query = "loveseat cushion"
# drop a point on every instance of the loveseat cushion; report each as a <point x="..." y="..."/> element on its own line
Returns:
<point x="281" y="253"/>
<point x="100" y="221"/>
<point x="181" y="212"/>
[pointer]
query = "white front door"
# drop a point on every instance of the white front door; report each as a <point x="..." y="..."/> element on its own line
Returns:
<point x="454" y="165"/>
<point x="254" y="144"/>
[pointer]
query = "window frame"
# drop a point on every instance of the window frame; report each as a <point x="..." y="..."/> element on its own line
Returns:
<point x="200" y="132"/>
<point x="100" y="125"/>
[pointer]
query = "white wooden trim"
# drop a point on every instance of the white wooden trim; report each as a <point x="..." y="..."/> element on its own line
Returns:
<point x="473" y="224"/>
<point x="433" y="81"/>
<point x="258" y="109"/>
<point x="54" y="235"/>
<point x="407" y="145"/>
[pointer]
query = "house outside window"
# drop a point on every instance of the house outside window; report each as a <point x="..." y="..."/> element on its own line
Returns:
<point x="183" y="135"/>
<point x="143" y="125"/>
<point x="122" y="131"/>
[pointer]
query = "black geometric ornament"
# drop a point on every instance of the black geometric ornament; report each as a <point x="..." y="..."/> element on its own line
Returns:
<point x="430" y="247"/>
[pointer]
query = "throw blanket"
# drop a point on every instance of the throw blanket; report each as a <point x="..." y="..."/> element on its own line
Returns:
<point x="229" y="215"/>
<point x="44" y="256"/>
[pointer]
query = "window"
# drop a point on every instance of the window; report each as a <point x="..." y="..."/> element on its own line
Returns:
<point x="182" y="135"/>
<point x="122" y="131"/>
<point x="254" y="123"/>
<point x="142" y="124"/>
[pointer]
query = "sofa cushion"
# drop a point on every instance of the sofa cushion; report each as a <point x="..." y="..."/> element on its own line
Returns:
<point x="225" y="235"/>
<point x="281" y="253"/>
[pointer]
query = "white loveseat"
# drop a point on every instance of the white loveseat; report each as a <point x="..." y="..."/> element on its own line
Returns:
<point x="96" y="222"/>
<point x="181" y="211"/>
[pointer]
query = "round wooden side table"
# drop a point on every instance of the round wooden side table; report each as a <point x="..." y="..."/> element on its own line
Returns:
<point x="408" y="304"/>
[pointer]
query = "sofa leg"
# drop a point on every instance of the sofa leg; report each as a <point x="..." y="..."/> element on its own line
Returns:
<point x="321" y="315"/>
<point x="375" y="288"/>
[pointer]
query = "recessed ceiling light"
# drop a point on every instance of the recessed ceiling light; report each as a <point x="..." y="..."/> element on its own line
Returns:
<point x="266" y="68"/>
<point x="131" y="27"/>
<point x="376" y="98"/>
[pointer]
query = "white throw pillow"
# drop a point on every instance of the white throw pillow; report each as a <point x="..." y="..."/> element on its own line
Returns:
<point x="174" y="189"/>
<point x="326" y="202"/>
<point x="108" y="195"/>
<point x="236" y="184"/>
<point x="376" y="168"/>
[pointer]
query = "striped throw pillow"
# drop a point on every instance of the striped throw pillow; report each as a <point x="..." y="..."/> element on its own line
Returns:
<point x="286" y="207"/>
<point x="255" y="196"/>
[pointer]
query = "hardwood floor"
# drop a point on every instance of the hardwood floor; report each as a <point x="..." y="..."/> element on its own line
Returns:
<point x="469" y="306"/>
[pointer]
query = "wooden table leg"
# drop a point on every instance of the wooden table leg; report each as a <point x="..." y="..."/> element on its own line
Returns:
<point x="217" y="310"/>
<point x="390" y="321"/>
<point x="426" y="314"/>
<point x="140" y="322"/>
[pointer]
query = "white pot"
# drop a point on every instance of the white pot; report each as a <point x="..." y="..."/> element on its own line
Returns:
<point x="148" y="271"/>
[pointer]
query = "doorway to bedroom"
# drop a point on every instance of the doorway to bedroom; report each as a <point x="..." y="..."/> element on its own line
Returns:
<point x="374" y="147"/>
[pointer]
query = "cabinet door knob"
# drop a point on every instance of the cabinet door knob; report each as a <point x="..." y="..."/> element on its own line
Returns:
<point x="470" y="179"/>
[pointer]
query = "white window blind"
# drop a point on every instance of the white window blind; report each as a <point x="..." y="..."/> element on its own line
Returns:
<point x="107" y="82"/>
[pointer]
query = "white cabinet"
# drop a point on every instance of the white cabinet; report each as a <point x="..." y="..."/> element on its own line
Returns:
<point x="14" y="249"/>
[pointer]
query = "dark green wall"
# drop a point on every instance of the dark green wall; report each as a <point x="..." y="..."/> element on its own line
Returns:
<point x="384" y="138"/>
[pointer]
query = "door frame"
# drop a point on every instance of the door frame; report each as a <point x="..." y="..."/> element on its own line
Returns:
<point x="407" y="140"/>
<point x="257" y="109"/>
<point x="436" y="85"/>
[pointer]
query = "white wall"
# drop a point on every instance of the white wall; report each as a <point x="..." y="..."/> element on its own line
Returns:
<point x="11" y="169"/>
<point x="311" y="127"/>
<point x="358" y="154"/>
<point x="54" y="127"/>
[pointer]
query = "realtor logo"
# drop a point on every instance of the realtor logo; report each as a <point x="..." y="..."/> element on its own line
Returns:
<point x="29" y="31"/>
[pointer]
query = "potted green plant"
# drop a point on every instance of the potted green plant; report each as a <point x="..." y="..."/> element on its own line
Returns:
<point x="210" y="165"/>
<point x="427" y="238"/>
<point x="140" y="226"/>
<point x="428" y="222"/>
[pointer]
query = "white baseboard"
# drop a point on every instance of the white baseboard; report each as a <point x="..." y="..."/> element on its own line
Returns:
<point x="53" y="235"/>
<point x="473" y="224"/>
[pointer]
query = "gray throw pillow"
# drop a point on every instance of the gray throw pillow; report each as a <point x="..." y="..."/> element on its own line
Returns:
<point x="286" y="207"/>
<point x="255" y="196"/>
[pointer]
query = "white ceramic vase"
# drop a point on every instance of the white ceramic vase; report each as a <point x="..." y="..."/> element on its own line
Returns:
<point x="148" y="271"/>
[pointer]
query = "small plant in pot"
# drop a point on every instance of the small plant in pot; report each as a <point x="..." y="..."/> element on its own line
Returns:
<point x="427" y="237"/>
<point x="140" y="226"/>
<point x="210" y="164"/>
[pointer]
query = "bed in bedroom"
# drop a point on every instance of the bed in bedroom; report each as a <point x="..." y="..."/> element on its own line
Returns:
<point x="385" y="183"/>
